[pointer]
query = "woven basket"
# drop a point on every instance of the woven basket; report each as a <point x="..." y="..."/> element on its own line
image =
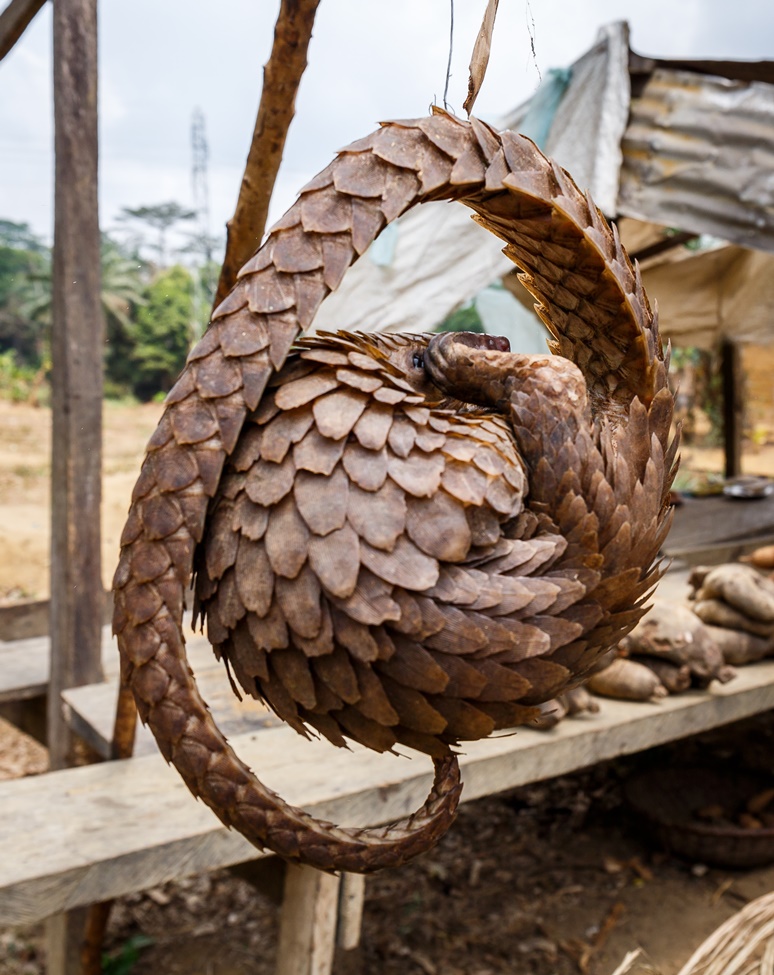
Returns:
<point x="667" y="800"/>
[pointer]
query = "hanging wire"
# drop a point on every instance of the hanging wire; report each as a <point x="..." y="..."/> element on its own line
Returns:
<point x="449" y="62"/>
<point x="531" y="32"/>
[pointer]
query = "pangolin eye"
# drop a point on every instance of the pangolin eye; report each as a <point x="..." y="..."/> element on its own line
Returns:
<point x="418" y="360"/>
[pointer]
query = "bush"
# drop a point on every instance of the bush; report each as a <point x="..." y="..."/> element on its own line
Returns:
<point x="162" y="333"/>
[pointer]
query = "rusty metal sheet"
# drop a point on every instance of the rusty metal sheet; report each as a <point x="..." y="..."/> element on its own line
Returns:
<point x="698" y="155"/>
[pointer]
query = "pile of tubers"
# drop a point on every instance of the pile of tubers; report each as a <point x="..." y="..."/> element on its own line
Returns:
<point x="668" y="651"/>
<point x="736" y="602"/>
<point x="728" y="622"/>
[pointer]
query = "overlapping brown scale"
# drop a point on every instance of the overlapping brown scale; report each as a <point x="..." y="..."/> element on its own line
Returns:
<point x="254" y="576"/>
<point x="365" y="468"/>
<point x="371" y="603"/>
<point x="439" y="527"/>
<point x="335" y="560"/>
<point x="482" y="628"/>
<point x="322" y="501"/>
<point x="336" y="413"/>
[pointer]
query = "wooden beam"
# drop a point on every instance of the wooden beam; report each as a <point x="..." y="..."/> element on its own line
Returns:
<point x="733" y="407"/>
<point x="307" y="934"/>
<point x="14" y="20"/>
<point x="76" y="388"/>
<point x="77" y="339"/>
<point x="281" y="78"/>
<point x="86" y="834"/>
<point x="351" y="901"/>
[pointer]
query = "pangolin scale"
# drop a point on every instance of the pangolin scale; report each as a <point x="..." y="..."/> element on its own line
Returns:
<point x="400" y="540"/>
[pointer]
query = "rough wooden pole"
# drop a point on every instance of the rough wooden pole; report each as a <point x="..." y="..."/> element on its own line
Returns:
<point x="76" y="341"/>
<point x="14" y="20"/>
<point x="733" y="407"/>
<point x="281" y="77"/>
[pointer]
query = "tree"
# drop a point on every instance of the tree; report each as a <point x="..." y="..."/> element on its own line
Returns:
<point x="25" y="277"/>
<point x="25" y="301"/>
<point x="160" y="216"/>
<point x="162" y="332"/>
<point x="19" y="236"/>
<point x="122" y="295"/>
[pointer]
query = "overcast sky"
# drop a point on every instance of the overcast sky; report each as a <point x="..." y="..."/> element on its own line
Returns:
<point x="368" y="60"/>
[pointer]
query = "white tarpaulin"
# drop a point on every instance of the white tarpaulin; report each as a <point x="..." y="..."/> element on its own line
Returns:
<point x="694" y="154"/>
<point x="441" y="259"/>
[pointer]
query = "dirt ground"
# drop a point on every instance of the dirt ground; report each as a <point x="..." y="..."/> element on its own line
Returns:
<point x="552" y="879"/>
<point x="25" y="490"/>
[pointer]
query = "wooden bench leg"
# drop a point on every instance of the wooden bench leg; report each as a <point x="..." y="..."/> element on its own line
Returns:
<point x="64" y="938"/>
<point x="307" y="934"/>
<point x="351" y="897"/>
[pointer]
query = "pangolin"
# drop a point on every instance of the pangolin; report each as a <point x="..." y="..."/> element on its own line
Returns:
<point x="400" y="540"/>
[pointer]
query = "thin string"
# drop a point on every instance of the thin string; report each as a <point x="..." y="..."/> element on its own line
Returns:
<point x="449" y="63"/>
<point x="531" y="32"/>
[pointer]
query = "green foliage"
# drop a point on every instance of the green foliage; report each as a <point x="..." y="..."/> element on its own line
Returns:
<point x="22" y="285"/>
<point x="123" y="276"/>
<point x="22" y="383"/>
<point x="122" y="962"/>
<point x="20" y="237"/>
<point x="162" y="332"/>
<point x="465" y="319"/>
<point x="149" y="323"/>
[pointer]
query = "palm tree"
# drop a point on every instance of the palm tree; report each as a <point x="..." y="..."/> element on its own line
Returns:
<point x="121" y="291"/>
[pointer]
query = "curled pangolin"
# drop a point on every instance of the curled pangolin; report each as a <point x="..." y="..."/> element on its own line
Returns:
<point x="398" y="539"/>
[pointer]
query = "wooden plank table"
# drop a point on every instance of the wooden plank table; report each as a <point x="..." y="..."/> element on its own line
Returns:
<point x="82" y="835"/>
<point x="718" y="529"/>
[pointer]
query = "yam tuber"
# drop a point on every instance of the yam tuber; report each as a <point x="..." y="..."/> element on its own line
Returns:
<point x="698" y="574"/>
<point x="740" y="647"/>
<point x="675" y="678"/>
<point x="742" y="587"/>
<point x="762" y="558"/>
<point x="578" y="699"/>
<point x="628" y="680"/>
<point x="671" y="631"/>
<point x="719" y="613"/>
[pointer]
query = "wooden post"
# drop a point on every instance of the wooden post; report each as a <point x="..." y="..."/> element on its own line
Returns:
<point x="307" y="935"/>
<point x="76" y="343"/>
<point x="733" y="407"/>
<point x="281" y="78"/>
<point x="14" y="20"/>
<point x="351" y="899"/>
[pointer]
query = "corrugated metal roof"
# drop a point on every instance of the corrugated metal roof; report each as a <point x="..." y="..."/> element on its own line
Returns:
<point x="698" y="154"/>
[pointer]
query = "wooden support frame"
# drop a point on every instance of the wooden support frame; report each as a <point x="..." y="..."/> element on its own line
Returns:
<point x="76" y="393"/>
<point x="144" y="830"/>
<point x="733" y="407"/>
<point x="307" y="935"/>
<point x="14" y="20"/>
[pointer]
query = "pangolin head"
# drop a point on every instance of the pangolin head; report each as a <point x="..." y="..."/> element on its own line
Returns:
<point x="402" y="355"/>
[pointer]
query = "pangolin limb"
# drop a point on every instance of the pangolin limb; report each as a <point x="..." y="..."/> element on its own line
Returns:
<point x="389" y="550"/>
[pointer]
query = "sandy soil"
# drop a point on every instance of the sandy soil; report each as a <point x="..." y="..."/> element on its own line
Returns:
<point x="25" y="490"/>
